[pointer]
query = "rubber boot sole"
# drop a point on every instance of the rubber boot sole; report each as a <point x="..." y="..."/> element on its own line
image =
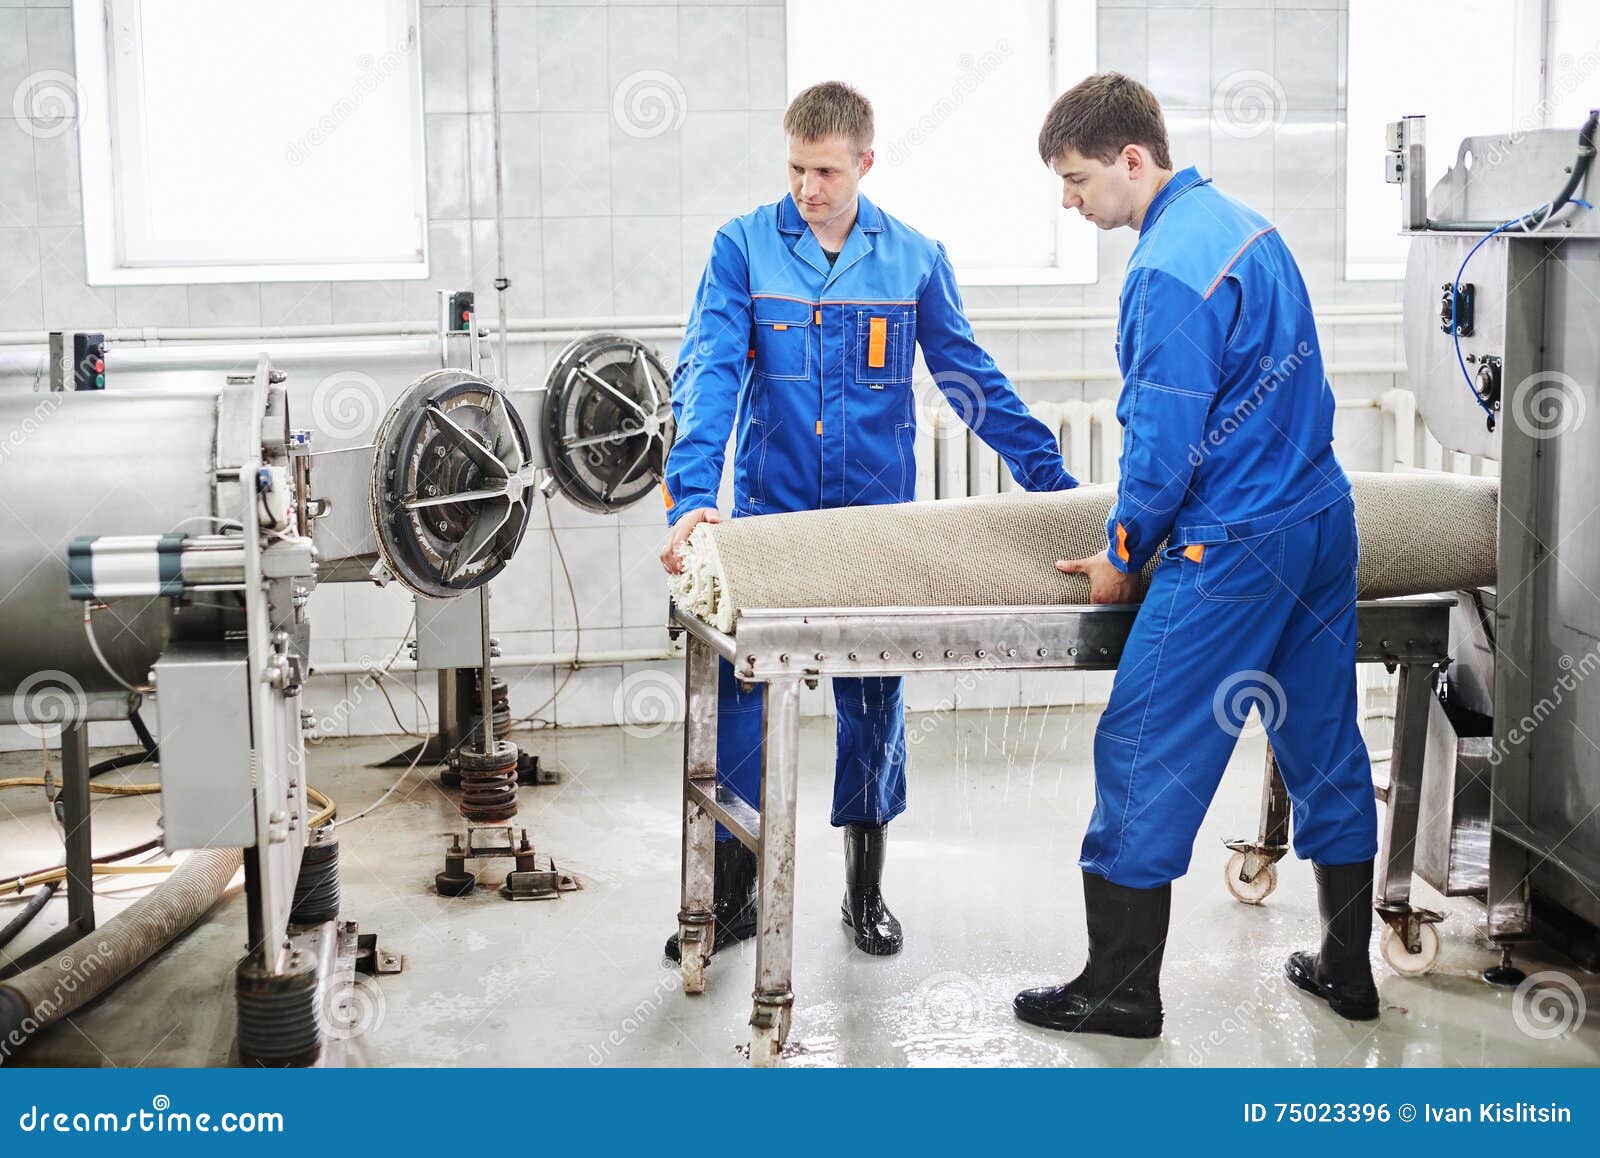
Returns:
<point x="1094" y="1022"/>
<point x="1301" y="970"/>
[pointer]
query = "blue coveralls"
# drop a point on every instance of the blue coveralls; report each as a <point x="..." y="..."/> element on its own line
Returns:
<point x="1227" y="455"/>
<point x="811" y="366"/>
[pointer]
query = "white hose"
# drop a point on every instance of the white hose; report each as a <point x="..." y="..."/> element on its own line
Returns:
<point x="77" y="975"/>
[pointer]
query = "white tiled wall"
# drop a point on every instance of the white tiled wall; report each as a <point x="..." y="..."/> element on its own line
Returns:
<point x="601" y="222"/>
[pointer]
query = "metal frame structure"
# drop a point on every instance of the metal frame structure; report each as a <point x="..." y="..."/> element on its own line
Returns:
<point x="785" y="648"/>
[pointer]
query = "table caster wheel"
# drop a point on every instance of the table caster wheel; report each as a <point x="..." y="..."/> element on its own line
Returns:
<point x="766" y="1045"/>
<point x="454" y="885"/>
<point x="692" y="960"/>
<point x="1251" y="892"/>
<point x="1405" y="962"/>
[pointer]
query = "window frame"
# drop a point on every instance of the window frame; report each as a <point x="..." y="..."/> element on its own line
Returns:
<point x="104" y="256"/>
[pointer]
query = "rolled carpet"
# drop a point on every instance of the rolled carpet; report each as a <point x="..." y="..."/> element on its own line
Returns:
<point x="1420" y="533"/>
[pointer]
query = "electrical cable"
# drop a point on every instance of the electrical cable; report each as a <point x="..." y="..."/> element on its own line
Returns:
<point x="94" y="646"/>
<point x="577" y="625"/>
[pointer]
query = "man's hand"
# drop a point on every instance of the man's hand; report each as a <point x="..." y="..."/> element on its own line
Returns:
<point x="1106" y="583"/>
<point x="670" y="559"/>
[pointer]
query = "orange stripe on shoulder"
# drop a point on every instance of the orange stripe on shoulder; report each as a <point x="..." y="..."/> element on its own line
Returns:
<point x="1232" y="261"/>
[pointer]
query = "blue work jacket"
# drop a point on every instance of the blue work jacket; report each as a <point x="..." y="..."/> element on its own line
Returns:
<point x="811" y="365"/>
<point x="1227" y="414"/>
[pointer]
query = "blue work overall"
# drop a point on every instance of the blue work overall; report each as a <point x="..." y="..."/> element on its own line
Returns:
<point x="810" y="365"/>
<point x="1228" y="457"/>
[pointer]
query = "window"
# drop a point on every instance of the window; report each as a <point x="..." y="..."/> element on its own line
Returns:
<point x="959" y="91"/>
<point x="257" y="140"/>
<point x="1464" y="64"/>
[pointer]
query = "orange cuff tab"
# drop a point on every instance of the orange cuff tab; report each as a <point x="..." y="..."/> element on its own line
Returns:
<point x="877" y="341"/>
<point x="1122" y="543"/>
<point x="1193" y="552"/>
<point x="666" y="496"/>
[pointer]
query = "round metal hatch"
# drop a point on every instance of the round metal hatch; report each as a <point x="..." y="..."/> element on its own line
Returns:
<point x="450" y="480"/>
<point x="607" y="421"/>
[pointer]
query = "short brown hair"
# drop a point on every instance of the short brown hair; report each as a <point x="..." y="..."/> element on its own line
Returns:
<point x="1101" y="115"/>
<point x="830" y="109"/>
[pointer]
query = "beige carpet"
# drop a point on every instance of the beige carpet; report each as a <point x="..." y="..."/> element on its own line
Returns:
<point x="1420" y="533"/>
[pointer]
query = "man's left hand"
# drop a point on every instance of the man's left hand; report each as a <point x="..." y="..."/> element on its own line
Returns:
<point x="1106" y="583"/>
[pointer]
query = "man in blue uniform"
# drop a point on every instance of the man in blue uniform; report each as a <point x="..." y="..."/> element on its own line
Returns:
<point x="801" y="342"/>
<point x="1228" y="470"/>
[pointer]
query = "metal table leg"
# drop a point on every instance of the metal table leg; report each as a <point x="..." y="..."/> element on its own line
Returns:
<point x="780" y="769"/>
<point x="1397" y="841"/>
<point x="696" y="926"/>
<point x="79" y="858"/>
<point x="1251" y="873"/>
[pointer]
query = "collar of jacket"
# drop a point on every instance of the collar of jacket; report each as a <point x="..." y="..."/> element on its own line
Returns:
<point x="869" y="219"/>
<point x="1182" y="181"/>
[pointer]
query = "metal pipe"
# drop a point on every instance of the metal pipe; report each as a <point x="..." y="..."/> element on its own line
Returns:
<point x="1341" y="314"/>
<point x="501" y="284"/>
<point x="485" y="676"/>
<point x="533" y="659"/>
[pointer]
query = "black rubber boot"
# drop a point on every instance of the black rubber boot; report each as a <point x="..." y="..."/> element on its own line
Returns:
<point x="734" y="898"/>
<point x="877" y="932"/>
<point x="1341" y="974"/>
<point x="1119" y="990"/>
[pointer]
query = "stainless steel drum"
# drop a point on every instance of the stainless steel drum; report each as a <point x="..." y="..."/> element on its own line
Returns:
<point x="95" y="463"/>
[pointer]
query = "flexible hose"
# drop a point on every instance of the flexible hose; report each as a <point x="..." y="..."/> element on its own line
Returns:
<point x="56" y="988"/>
<point x="326" y="810"/>
<point x="35" y="904"/>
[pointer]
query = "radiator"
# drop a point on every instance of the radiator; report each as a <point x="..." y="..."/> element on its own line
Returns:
<point x="954" y="463"/>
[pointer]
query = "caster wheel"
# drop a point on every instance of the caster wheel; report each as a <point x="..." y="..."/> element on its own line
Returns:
<point x="451" y="885"/>
<point x="1405" y="962"/>
<point x="766" y="1046"/>
<point x="1251" y="892"/>
<point x="692" y="964"/>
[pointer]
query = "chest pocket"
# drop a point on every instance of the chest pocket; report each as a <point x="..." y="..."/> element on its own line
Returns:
<point x="885" y="340"/>
<point x="782" y="338"/>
